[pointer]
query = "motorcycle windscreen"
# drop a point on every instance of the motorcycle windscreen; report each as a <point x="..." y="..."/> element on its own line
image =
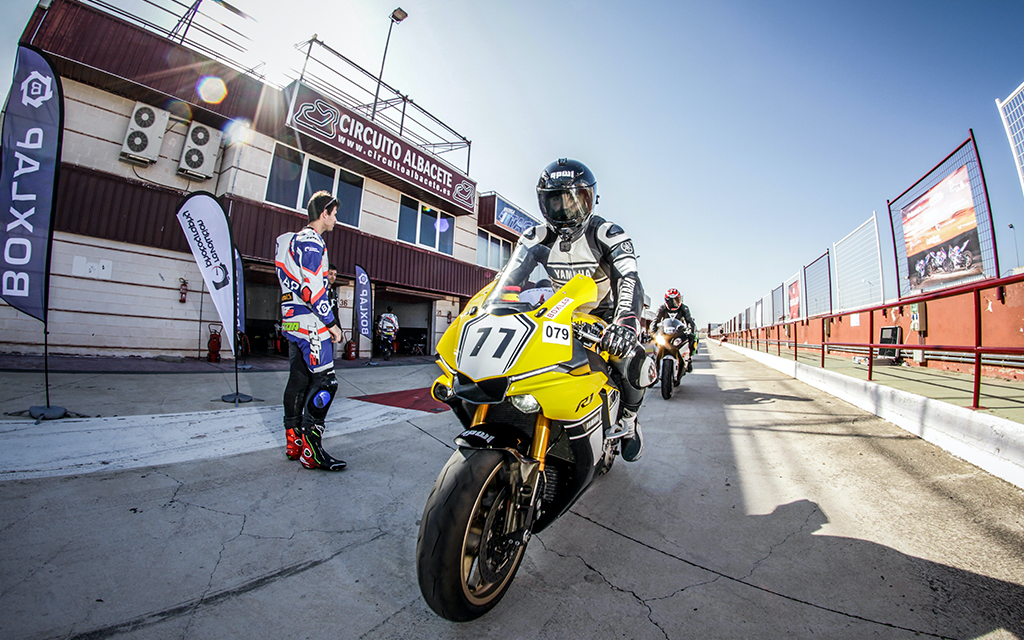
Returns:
<point x="523" y="285"/>
<point x="671" y="326"/>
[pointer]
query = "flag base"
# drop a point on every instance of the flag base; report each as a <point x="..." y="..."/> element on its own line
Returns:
<point x="236" y="398"/>
<point x="47" y="413"/>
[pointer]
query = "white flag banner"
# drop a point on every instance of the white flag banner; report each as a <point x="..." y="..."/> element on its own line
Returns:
<point x="209" y="235"/>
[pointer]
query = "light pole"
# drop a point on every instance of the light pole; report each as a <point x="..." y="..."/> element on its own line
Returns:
<point x="1015" y="244"/>
<point x="396" y="16"/>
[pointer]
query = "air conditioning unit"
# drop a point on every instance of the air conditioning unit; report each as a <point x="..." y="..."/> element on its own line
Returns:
<point x="145" y="135"/>
<point x="199" y="156"/>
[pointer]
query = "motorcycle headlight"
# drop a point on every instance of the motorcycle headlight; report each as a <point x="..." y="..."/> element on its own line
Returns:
<point x="525" y="403"/>
<point x="660" y="339"/>
<point x="442" y="392"/>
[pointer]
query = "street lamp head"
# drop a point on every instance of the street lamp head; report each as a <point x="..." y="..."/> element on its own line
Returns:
<point x="1011" y="225"/>
<point x="398" y="15"/>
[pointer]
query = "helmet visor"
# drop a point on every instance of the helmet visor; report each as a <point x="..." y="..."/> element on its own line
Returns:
<point x="566" y="207"/>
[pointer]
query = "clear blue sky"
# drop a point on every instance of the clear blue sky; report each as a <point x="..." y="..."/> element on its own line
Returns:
<point x="734" y="140"/>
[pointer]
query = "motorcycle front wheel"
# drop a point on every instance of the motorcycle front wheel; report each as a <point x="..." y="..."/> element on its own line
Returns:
<point x="667" y="378"/>
<point x="464" y="562"/>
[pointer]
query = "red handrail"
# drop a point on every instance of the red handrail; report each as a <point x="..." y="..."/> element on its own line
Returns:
<point x="974" y="289"/>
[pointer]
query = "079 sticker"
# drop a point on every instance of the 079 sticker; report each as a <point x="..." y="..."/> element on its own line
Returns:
<point x="556" y="333"/>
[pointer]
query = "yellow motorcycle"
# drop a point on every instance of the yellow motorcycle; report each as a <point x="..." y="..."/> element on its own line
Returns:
<point x="524" y="374"/>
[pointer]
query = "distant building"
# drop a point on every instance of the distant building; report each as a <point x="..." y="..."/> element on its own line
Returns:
<point x="120" y="258"/>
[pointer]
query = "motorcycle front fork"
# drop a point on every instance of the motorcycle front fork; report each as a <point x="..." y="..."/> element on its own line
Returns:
<point x="525" y="477"/>
<point x="541" y="433"/>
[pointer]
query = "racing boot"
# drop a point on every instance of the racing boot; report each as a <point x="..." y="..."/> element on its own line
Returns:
<point x="313" y="454"/>
<point x="632" y="444"/>
<point x="293" y="438"/>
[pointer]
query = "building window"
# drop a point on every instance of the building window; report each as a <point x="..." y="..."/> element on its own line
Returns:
<point x="407" y="220"/>
<point x="319" y="177"/>
<point x="491" y="251"/>
<point x="426" y="226"/>
<point x="285" y="177"/>
<point x="350" y="197"/>
<point x="293" y="172"/>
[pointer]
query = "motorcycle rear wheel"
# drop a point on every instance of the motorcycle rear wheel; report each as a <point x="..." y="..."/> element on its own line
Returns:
<point x="667" y="378"/>
<point x="465" y="566"/>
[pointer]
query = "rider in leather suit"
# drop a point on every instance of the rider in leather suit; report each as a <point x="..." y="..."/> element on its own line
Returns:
<point x="674" y="308"/>
<point x="574" y="241"/>
<point x="309" y="323"/>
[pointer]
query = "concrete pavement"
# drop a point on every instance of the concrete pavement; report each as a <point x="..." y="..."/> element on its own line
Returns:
<point x="762" y="508"/>
<point x="927" y="403"/>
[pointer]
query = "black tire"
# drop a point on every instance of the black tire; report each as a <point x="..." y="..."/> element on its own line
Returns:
<point x="667" y="378"/>
<point x="469" y="502"/>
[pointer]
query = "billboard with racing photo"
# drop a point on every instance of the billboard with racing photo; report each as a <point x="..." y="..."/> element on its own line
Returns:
<point x="942" y="226"/>
<point x="940" y="231"/>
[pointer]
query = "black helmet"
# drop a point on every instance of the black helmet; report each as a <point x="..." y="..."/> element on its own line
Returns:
<point x="566" y="192"/>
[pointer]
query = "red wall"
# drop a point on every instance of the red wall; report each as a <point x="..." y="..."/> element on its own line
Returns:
<point x="950" y="322"/>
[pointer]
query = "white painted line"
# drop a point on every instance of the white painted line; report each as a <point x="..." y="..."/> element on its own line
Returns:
<point x="65" y="447"/>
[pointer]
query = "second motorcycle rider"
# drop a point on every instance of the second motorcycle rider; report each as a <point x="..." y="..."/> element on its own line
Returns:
<point x="574" y="241"/>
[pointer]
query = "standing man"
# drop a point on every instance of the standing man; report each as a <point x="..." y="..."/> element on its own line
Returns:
<point x="311" y="327"/>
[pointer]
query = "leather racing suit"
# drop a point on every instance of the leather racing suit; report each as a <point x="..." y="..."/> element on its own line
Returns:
<point x="603" y="251"/>
<point x="306" y="309"/>
<point x="306" y="314"/>
<point x="682" y="312"/>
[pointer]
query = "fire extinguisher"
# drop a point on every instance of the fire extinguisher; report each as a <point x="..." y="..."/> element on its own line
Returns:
<point x="350" y="350"/>
<point x="183" y="289"/>
<point x="214" y="344"/>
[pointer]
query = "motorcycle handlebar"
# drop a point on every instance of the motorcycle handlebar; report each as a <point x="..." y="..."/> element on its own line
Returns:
<point x="587" y="333"/>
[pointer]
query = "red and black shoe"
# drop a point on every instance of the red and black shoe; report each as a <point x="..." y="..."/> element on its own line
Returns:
<point x="293" y="437"/>
<point x="313" y="454"/>
<point x="293" y="446"/>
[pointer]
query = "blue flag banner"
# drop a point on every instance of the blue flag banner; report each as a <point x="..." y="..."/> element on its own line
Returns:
<point x="239" y="292"/>
<point x="29" y="161"/>
<point x="364" y="305"/>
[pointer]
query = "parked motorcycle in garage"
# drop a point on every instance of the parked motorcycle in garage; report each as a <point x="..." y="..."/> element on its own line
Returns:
<point x="674" y="357"/>
<point x="534" y="392"/>
<point x="387" y="331"/>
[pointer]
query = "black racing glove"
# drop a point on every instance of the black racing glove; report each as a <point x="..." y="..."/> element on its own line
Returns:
<point x="618" y="340"/>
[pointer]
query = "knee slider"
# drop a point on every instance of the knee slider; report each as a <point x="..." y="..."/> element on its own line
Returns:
<point x="641" y="370"/>
<point x="325" y="386"/>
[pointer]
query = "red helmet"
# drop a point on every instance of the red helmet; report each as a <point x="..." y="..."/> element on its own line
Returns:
<point x="673" y="299"/>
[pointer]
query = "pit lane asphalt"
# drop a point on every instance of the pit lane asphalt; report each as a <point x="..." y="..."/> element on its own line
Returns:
<point x="761" y="508"/>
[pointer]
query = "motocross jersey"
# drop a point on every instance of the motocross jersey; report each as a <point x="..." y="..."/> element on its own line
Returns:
<point x="306" y="310"/>
<point x="602" y="251"/>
